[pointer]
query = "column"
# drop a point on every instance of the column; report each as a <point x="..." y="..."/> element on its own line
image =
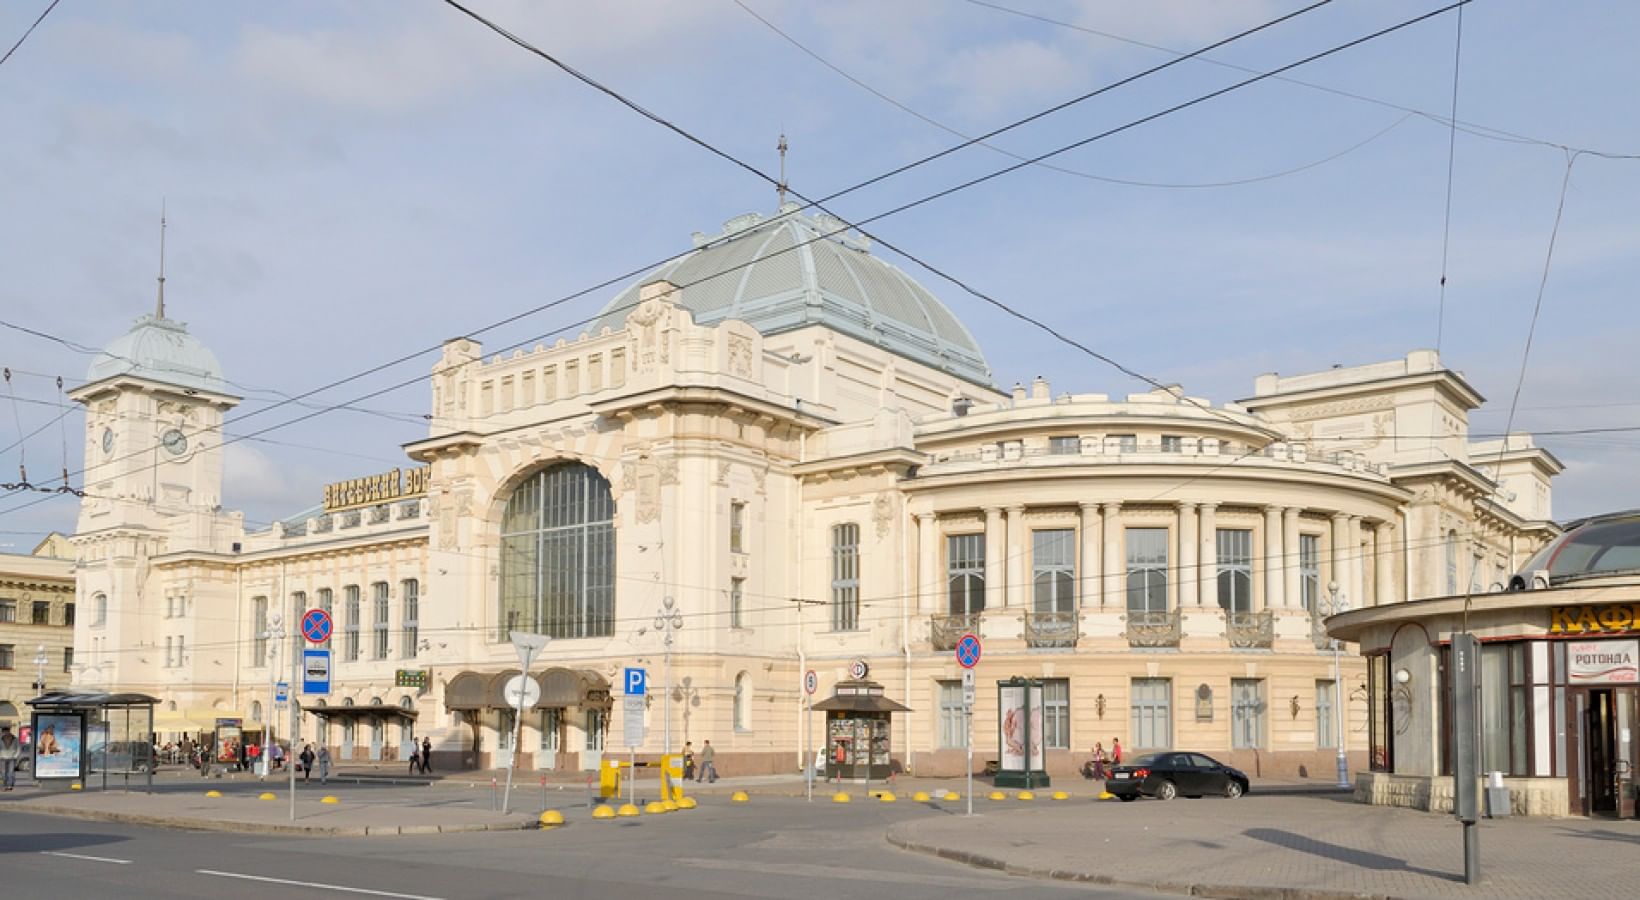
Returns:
<point x="928" y="563"/>
<point x="1089" y="575"/>
<point x="1385" y="559"/>
<point x="1019" y="554"/>
<point x="1115" y="566"/>
<point x="995" y="557"/>
<point x="1294" y="595"/>
<point x="1186" y="575"/>
<point x="1209" y="557"/>
<point x="1274" y="598"/>
<point x="1337" y="563"/>
<point x="1358" y="566"/>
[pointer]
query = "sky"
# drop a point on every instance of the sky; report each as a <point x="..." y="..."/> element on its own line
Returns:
<point x="350" y="183"/>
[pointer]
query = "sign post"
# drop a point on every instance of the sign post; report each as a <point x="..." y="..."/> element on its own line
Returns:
<point x="1466" y="760"/>
<point x="528" y="646"/>
<point x="969" y="650"/>
<point x="636" y="682"/>
<point x="304" y="667"/>
<point x="811" y="683"/>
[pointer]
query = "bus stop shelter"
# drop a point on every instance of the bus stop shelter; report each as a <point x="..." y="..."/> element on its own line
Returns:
<point x="81" y="735"/>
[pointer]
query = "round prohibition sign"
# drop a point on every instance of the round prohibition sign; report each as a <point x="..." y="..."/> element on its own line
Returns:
<point x="968" y="650"/>
<point x="316" y="625"/>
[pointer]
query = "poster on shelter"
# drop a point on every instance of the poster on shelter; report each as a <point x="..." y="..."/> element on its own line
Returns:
<point x="1011" y="700"/>
<point x="57" y="748"/>
<point x="229" y="736"/>
<point x="1602" y="662"/>
<point x="1035" y="738"/>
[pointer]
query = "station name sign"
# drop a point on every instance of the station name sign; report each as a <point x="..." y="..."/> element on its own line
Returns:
<point x="410" y="678"/>
<point x="373" y="489"/>
<point x="1613" y="618"/>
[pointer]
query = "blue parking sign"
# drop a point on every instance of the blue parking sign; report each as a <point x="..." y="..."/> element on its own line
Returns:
<point x="637" y="682"/>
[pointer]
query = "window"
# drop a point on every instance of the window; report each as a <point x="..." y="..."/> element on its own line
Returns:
<point x="41" y="612"/>
<point x="953" y="721"/>
<point x="1147" y="573"/>
<point x="558" y="555"/>
<point x="737" y="527"/>
<point x="8" y="610"/>
<point x="507" y="729"/>
<point x="1324" y="715"/>
<point x="259" y="631"/>
<point x="351" y="623"/>
<point x="101" y="603"/>
<point x="379" y="622"/>
<point x="1152" y="713"/>
<point x="1476" y="567"/>
<point x="1172" y="443"/>
<point x="256" y="710"/>
<point x="1379" y="703"/>
<point x="327" y="603"/>
<point x="1235" y="557"/>
<point x="1056" y="713"/>
<point x="1451" y="563"/>
<point x="412" y="617"/>
<point x="1053" y="570"/>
<point x="68" y="614"/>
<point x="1309" y="570"/>
<point x="8" y="656"/>
<point x="170" y="651"/>
<point x="595" y="729"/>
<point x="1246" y="713"/>
<point x="551" y="720"/>
<point x="298" y="608"/>
<point x="737" y="602"/>
<point x="743" y="701"/>
<point x="68" y="659"/>
<point x="845" y="577"/>
<point x="182" y="658"/>
<point x="1065" y="445"/>
<point x="1126" y="443"/>
<point x="965" y="572"/>
<point x="1505" y="721"/>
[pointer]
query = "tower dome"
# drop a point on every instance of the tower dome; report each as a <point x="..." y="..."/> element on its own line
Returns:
<point x="160" y="349"/>
<point x="794" y="271"/>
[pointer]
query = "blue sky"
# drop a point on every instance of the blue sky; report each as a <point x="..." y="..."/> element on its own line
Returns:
<point x="348" y="182"/>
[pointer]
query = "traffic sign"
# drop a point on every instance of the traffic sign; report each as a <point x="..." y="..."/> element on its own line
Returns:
<point x="968" y="650"/>
<point x="636" y="681"/>
<point x="811" y="682"/>
<point x="281" y="693"/>
<point x="316" y="625"/>
<point x="859" y="669"/>
<point x="316" y="671"/>
<point x="521" y="691"/>
<point x="968" y="688"/>
<point x="633" y="723"/>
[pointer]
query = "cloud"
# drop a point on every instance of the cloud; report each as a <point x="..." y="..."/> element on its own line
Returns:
<point x="997" y="76"/>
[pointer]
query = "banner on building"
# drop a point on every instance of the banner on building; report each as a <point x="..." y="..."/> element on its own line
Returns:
<point x="1602" y="662"/>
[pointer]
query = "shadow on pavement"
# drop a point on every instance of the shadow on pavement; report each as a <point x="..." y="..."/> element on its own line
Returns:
<point x="1604" y="835"/>
<point x="40" y="843"/>
<point x="1361" y="858"/>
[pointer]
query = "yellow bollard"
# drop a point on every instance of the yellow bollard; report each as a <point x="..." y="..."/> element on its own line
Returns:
<point x="887" y="797"/>
<point x="75" y="786"/>
<point x="841" y="797"/>
<point x="687" y="803"/>
<point x="920" y="797"/>
<point x="670" y="806"/>
<point x="213" y="794"/>
<point x="654" y="807"/>
<point x="550" y="818"/>
<point x="267" y="795"/>
<point x="1027" y="795"/>
<point x="604" y="812"/>
<point x="951" y="796"/>
<point x="1106" y="795"/>
<point x="331" y="800"/>
<point x="998" y="795"/>
<point x="626" y="811"/>
<point x="1061" y="795"/>
<point x="739" y="797"/>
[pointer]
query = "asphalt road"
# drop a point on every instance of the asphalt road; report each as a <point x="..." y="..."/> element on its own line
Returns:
<point x="777" y="848"/>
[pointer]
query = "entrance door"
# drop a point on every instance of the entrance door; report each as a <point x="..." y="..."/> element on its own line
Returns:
<point x="1600" y="752"/>
<point x="375" y="740"/>
<point x="348" y="725"/>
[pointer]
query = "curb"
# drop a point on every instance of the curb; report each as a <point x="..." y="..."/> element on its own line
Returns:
<point x="191" y="824"/>
<point x="1188" y="889"/>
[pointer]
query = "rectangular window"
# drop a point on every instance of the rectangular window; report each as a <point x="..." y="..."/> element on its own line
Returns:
<point x="507" y="729"/>
<point x="1505" y="719"/>
<point x="1324" y="724"/>
<point x="1246" y="713"/>
<point x="1309" y="570"/>
<point x="1379" y="702"/>
<point x="350" y="595"/>
<point x="412" y="617"/>
<point x="68" y="614"/>
<point x="965" y="573"/>
<point x="327" y="603"/>
<point x="42" y="612"/>
<point x="379" y="621"/>
<point x="551" y="720"/>
<point x="953" y="719"/>
<point x="845" y="577"/>
<point x="182" y="658"/>
<point x="595" y="729"/>
<point x="259" y="631"/>
<point x="737" y="602"/>
<point x="68" y="659"/>
<point x="1056" y="713"/>
<point x="170" y="651"/>
<point x="1172" y="443"/>
<point x="1477" y="565"/>
<point x="1147" y="562"/>
<point x="1126" y="443"/>
<point x="1053" y="570"/>
<point x="1152" y="714"/>
<point x="737" y="527"/>
<point x="8" y="610"/>
<point x="1065" y="445"/>
<point x="8" y="656"/>
<point x="298" y="608"/>
<point x="1235" y="559"/>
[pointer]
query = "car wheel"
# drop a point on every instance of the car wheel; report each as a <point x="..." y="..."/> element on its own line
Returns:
<point x="1125" y="798"/>
<point x="1232" y="790"/>
<point x="1167" y="790"/>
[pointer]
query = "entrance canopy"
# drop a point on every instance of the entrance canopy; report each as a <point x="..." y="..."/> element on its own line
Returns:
<point x="560" y="688"/>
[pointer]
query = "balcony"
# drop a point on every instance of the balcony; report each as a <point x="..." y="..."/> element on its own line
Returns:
<point x="1154" y="629"/>
<point x="1250" y="630"/>
<point x="945" y="631"/>
<point x="1052" y="629"/>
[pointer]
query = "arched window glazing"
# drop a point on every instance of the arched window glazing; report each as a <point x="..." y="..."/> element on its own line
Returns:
<point x="558" y="555"/>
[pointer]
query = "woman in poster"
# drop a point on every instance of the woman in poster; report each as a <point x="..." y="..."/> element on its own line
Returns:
<point x="57" y="749"/>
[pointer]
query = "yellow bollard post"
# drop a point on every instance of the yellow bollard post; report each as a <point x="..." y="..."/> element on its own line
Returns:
<point x="998" y="795"/>
<point x="551" y="818"/>
<point x="1061" y="795"/>
<point x="841" y="797"/>
<point x="213" y="794"/>
<point x="604" y="812"/>
<point x="920" y="797"/>
<point x="626" y="811"/>
<point x="1027" y="795"/>
<point x="687" y="803"/>
<point x="951" y="797"/>
<point x="655" y="807"/>
<point x="266" y="795"/>
<point x="739" y="797"/>
<point x="330" y="800"/>
<point x="887" y="797"/>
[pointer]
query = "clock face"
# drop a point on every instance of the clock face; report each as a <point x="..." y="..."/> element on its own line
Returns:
<point x="108" y="440"/>
<point x="175" y="442"/>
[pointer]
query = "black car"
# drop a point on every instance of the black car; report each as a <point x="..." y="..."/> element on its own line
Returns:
<point x="1167" y="775"/>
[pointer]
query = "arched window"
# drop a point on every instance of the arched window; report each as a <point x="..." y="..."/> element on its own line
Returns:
<point x="743" y="702"/>
<point x="558" y="555"/>
<point x="256" y="710"/>
<point x="100" y="602"/>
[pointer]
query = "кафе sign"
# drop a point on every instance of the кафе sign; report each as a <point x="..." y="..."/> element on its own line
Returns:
<point x="1612" y="618"/>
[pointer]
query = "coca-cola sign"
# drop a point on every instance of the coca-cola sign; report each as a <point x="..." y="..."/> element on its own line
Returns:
<point x="1602" y="662"/>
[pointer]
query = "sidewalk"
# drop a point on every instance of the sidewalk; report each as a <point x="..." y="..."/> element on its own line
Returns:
<point x="1286" y="846"/>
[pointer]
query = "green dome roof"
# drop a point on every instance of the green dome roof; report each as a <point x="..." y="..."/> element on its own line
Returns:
<point x="160" y="349"/>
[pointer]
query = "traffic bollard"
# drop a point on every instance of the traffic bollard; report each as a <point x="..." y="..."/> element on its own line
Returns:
<point x="493" y="799"/>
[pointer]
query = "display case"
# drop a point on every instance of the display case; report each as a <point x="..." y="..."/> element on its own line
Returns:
<point x="855" y="741"/>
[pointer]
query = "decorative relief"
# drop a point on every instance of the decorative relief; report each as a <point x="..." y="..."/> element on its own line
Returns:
<point x="882" y="514"/>
<point x="1343" y="408"/>
<point x="668" y="467"/>
<point x="649" y="493"/>
<point x="723" y="468"/>
<point x="740" y="355"/>
<point x="452" y="509"/>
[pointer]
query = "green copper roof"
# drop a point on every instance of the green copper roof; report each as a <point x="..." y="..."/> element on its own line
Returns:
<point x="793" y="271"/>
<point x="162" y="350"/>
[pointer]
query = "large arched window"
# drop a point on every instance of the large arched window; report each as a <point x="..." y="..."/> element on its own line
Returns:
<point x="743" y="702"/>
<point x="558" y="555"/>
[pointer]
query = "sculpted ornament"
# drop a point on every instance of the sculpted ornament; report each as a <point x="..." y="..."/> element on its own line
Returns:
<point x="740" y="355"/>
<point x="882" y="514"/>
<point x="668" y="466"/>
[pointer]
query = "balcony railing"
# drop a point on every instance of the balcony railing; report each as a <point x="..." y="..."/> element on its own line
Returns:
<point x="1154" y="629"/>
<point x="1247" y="630"/>
<point x="945" y="631"/>
<point x="1052" y="629"/>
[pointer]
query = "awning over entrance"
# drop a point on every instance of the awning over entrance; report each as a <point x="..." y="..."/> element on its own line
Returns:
<point x="560" y="688"/>
<point x="860" y="696"/>
<point x="360" y="712"/>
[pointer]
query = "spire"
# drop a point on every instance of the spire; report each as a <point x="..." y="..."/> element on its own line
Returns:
<point x="780" y="189"/>
<point x="159" y="307"/>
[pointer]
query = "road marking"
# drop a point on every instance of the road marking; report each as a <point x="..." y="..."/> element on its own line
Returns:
<point x="314" y="884"/>
<point x="806" y="870"/>
<point x="106" y="859"/>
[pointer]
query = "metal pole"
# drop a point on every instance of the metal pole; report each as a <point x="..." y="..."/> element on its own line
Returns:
<point x="1471" y="853"/>
<point x="808" y="740"/>
<point x="666" y="706"/>
<point x="1338" y="713"/>
<point x="295" y="722"/>
<point x="968" y="719"/>
<point x="518" y="734"/>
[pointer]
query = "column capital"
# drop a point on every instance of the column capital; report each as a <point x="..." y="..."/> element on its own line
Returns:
<point x="992" y="511"/>
<point x="1185" y="505"/>
<point x="1274" y="509"/>
<point x="1208" y="505"/>
<point x="927" y="517"/>
<point x="1340" y="517"/>
<point x="1089" y="506"/>
<point x="1291" y="512"/>
<point x="1111" y="507"/>
<point x="1016" y="509"/>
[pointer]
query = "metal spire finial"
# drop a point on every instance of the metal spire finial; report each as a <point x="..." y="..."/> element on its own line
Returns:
<point x="780" y="189"/>
<point x="159" y="307"/>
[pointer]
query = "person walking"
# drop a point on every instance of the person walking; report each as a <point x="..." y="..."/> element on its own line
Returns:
<point x="708" y="763"/>
<point x="1095" y="767"/>
<point x="276" y="756"/>
<point x="426" y="755"/>
<point x="11" y="750"/>
<point x="324" y="765"/>
<point x="1115" y="751"/>
<point x="307" y="761"/>
<point x="415" y="758"/>
<point x="688" y="761"/>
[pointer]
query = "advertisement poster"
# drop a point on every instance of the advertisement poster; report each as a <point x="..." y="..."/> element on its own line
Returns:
<point x="1012" y="700"/>
<point x="229" y="736"/>
<point x="1602" y="662"/>
<point x="57" y="750"/>
<point x="1037" y="762"/>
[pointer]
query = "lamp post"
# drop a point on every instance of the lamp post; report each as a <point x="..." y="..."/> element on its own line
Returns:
<point x="40" y="661"/>
<point x="1339" y="604"/>
<point x="667" y="621"/>
<point x="275" y="633"/>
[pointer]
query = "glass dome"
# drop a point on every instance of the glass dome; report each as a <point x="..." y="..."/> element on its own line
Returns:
<point x="1593" y="548"/>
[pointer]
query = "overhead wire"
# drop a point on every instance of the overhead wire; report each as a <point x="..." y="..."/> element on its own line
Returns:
<point x="29" y="31"/>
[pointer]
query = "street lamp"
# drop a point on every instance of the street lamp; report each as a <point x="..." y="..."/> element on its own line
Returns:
<point x="667" y="621"/>
<point x="40" y="661"/>
<point x="1339" y="604"/>
<point x="274" y="634"/>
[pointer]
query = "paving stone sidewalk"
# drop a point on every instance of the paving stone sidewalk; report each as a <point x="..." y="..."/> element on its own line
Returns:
<point x="1284" y="846"/>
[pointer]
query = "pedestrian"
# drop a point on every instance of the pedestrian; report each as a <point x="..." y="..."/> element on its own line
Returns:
<point x="1095" y="768"/>
<point x="1115" y="751"/>
<point x="276" y="755"/>
<point x="426" y="755"/>
<point x="324" y="765"/>
<point x="253" y="757"/>
<point x="839" y="758"/>
<point x="688" y="761"/>
<point x="10" y="752"/>
<point x="244" y="756"/>
<point x="708" y="763"/>
<point x="307" y="761"/>
<point x="415" y="757"/>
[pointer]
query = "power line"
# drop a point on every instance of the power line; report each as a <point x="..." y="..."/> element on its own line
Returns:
<point x="30" y="31"/>
<point x="1451" y="162"/>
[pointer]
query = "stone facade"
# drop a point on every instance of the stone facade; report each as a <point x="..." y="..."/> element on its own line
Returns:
<point x="37" y="614"/>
